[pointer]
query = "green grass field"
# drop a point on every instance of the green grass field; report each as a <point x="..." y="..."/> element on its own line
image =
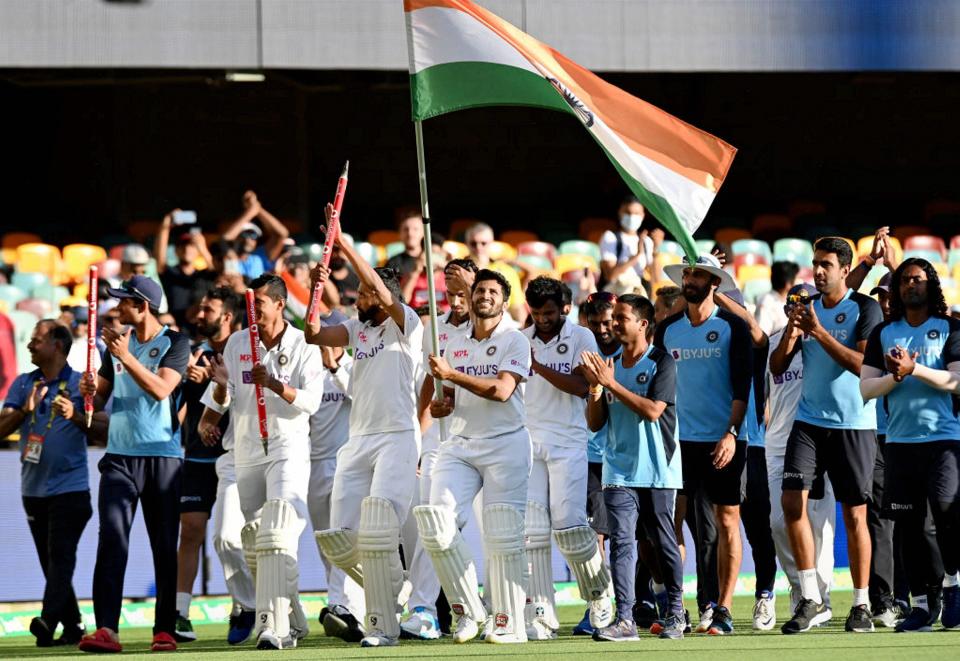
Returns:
<point x="829" y="642"/>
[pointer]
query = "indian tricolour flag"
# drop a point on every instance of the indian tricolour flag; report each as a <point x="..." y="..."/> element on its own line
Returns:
<point x="463" y="56"/>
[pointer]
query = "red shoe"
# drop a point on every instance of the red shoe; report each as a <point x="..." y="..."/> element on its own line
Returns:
<point x="163" y="642"/>
<point x="100" y="641"/>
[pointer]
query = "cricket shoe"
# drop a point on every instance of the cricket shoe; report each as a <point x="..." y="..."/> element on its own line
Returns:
<point x="765" y="612"/>
<point x="338" y="622"/>
<point x="706" y="618"/>
<point x="584" y="628"/>
<point x="41" y="631"/>
<point x="722" y="624"/>
<point x="269" y="640"/>
<point x="918" y="620"/>
<point x="950" y="619"/>
<point x="465" y="630"/>
<point x="673" y="627"/>
<point x="504" y="634"/>
<point x="887" y="615"/>
<point x="377" y="638"/>
<point x="621" y="631"/>
<point x="645" y="614"/>
<point x="241" y="626"/>
<point x="421" y="625"/>
<point x="537" y="629"/>
<point x="183" y="630"/>
<point x="601" y="612"/>
<point x="858" y="621"/>
<point x="806" y="615"/>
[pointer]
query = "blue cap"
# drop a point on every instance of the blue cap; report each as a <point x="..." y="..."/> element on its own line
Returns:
<point x="141" y="288"/>
<point x="801" y="293"/>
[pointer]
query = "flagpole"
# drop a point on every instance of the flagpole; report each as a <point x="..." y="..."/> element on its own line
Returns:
<point x="428" y="247"/>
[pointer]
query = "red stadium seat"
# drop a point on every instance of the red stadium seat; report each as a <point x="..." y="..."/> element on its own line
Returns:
<point x="383" y="237"/>
<point x="538" y="248"/>
<point x="903" y="232"/>
<point x="747" y="259"/>
<point x="955" y="242"/>
<point x="38" y="306"/>
<point x="926" y="242"/>
<point x="595" y="227"/>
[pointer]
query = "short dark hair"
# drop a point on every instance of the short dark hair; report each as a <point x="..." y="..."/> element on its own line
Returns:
<point x="231" y="302"/>
<point x="465" y="264"/>
<point x="642" y="307"/>
<point x="669" y="294"/>
<point x="276" y="287"/>
<point x="423" y="310"/>
<point x="782" y="274"/>
<point x="59" y="333"/>
<point x="542" y="289"/>
<point x="597" y="306"/>
<point x="837" y="246"/>
<point x="488" y="274"/>
<point x="405" y="213"/>
<point x="391" y="280"/>
<point x="630" y="199"/>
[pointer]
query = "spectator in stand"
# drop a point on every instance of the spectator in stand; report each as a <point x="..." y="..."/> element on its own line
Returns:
<point x="410" y="228"/>
<point x="77" y="357"/>
<point x="770" y="308"/>
<point x="342" y="289"/>
<point x="414" y="284"/>
<point x="8" y="355"/>
<point x="669" y="302"/>
<point x="184" y="284"/>
<point x="226" y="266"/>
<point x="479" y="239"/>
<point x="254" y="257"/>
<point x="625" y="254"/>
<point x="133" y="261"/>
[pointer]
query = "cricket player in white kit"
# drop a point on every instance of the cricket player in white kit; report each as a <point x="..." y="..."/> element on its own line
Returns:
<point x="272" y="485"/>
<point x="489" y="447"/>
<point x="557" y="494"/>
<point x="329" y="431"/>
<point x="377" y="468"/>
<point x="423" y="623"/>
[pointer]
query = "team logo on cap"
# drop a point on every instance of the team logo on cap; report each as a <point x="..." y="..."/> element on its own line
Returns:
<point x="154" y="352"/>
<point x="562" y="348"/>
<point x="491" y="350"/>
<point x="933" y="334"/>
<point x="841" y="317"/>
<point x="712" y="336"/>
<point x="283" y="360"/>
<point x="643" y="377"/>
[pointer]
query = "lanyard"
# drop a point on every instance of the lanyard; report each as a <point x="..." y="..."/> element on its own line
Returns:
<point x="33" y="418"/>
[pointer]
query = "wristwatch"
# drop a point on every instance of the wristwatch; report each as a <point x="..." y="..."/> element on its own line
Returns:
<point x="734" y="431"/>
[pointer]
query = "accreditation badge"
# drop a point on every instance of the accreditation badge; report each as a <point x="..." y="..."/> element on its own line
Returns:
<point x="34" y="448"/>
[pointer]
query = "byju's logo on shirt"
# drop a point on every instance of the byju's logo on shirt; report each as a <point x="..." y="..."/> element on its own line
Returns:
<point x="788" y="376"/>
<point x="690" y="354"/>
<point x="247" y="376"/>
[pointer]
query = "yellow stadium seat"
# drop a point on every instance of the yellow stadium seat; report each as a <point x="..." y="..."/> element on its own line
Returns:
<point x="865" y="245"/>
<point x="16" y="239"/>
<point x="516" y="237"/>
<point x="501" y="251"/>
<point x="575" y="262"/>
<point x="942" y="270"/>
<point x="8" y="255"/>
<point x="77" y="259"/>
<point x="39" y="258"/>
<point x="660" y="285"/>
<point x="383" y="237"/>
<point x="749" y="272"/>
<point x="456" y="250"/>
<point x="667" y="258"/>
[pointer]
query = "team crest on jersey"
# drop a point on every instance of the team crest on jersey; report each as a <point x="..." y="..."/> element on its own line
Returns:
<point x="609" y="397"/>
<point x="933" y="334"/>
<point x="841" y="317"/>
<point x="643" y="377"/>
<point x="713" y="336"/>
<point x="362" y="336"/>
<point x="154" y="352"/>
<point x="283" y="359"/>
<point x="491" y="350"/>
<point x="562" y="348"/>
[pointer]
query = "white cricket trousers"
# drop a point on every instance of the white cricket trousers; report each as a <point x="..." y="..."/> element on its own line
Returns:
<point x="558" y="481"/>
<point x="227" y="521"/>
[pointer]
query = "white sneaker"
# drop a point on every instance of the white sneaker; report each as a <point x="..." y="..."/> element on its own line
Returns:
<point x="466" y="630"/>
<point x="269" y="640"/>
<point x="376" y="638"/>
<point x="765" y="612"/>
<point x="421" y="625"/>
<point x="601" y="613"/>
<point x="538" y="630"/>
<point x="506" y="636"/>
<point x="487" y="627"/>
<point x="706" y="619"/>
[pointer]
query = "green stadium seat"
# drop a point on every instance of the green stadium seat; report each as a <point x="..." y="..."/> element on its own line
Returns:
<point x="704" y="246"/>
<point x="751" y="247"/>
<point x="671" y="248"/>
<point x="932" y="256"/>
<point x="23" y="323"/>
<point x="537" y="262"/>
<point x="394" y="248"/>
<point x="579" y="247"/>
<point x="953" y="258"/>
<point x="12" y="295"/>
<point x="798" y="251"/>
<point x="368" y="251"/>
<point x="754" y="289"/>
<point x="28" y="282"/>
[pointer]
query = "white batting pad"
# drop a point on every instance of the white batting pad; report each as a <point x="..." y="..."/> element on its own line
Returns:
<point x="503" y="530"/>
<point x="378" y="542"/>
<point x="276" y="551"/>
<point x="540" y="595"/>
<point x="340" y="547"/>
<point x="452" y="560"/>
<point x="579" y="546"/>
<point x="248" y="538"/>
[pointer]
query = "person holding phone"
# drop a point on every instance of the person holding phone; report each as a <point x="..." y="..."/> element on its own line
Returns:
<point x="183" y="283"/>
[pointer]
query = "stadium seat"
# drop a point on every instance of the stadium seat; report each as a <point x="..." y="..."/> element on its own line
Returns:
<point x="704" y="246"/>
<point x="501" y="251"/>
<point x="39" y="307"/>
<point x="903" y="232"/>
<point x="667" y="258"/>
<point x="77" y="259"/>
<point x="660" y="284"/>
<point x="116" y="252"/>
<point x="671" y="248"/>
<point x="28" y="282"/>
<point x="23" y="323"/>
<point x="865" y="245"/>
<point x="798" y="251"/>
<point x="932" y="256"/>
<point x="456" y="250"/>
<point x="942" y="270"/>
<point x="51" y="292"/>
<point x="516" y="237"/>
<point x="394" y="248"/>
<point x="8" y="256"/>
<point x="751" y="247"/>
<point x="771" y="226"/>
<point x="805" y="274"/>
<point x="580" y="247"/>
<point x="727" y="235"/>
<point x="110" y="268"/>
<point x="955" y="241"/>
<point x="748" y="259"/>
<point x="459" y="227"/>
<point x="368" y="251"/>
<point x="591" y="229"/>
<point x="754" y="289"/>
<point x="536" y="263"/>
<point x="313" y="251"/>
<point x="926" y="242"/>
<point x="17" y="239"/>
<point x="575" y="262"/>
<point x="11" y="294"/>
<point x="953" y="258"/>
<point x="538" y="248"/>
<point x="383" y="237"/>
<point x="749" y="272"/>
<point x="39" y="258"/>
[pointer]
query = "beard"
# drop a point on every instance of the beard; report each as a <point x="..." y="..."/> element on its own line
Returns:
<point x="915" y="300"/>
<point x="693" y="295"/>
<point x="210" y="328"/>
<point x="337" y="263"/>
<point x="486" y="312"/>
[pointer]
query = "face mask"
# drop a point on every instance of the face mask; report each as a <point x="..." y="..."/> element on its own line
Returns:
<point x="231" y="266"/>
<point x="631" y="221"/>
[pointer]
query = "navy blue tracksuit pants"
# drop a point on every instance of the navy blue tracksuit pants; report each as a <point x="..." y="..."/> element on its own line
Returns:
<point x="155" y="483"/>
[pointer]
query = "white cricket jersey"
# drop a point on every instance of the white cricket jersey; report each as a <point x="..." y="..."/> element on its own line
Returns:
<point x="445" y="331"/>
<point x="330" y="423"/>
<point x="556" y="417"/>
<point x="783" y="398"/>
<point x="506" y="349"/>
<point x="291" y="361"/>
<point x="386" y="362"/>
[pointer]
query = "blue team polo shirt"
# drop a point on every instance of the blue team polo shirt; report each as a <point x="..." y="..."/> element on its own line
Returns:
<point x="598" y="439"/>
<point x="714" y="367"/>
<point x="640" y="453"/>
<point x="831" y="395"/>
<point x="918" y="413"/>
<point x="63" y="461"/>
<point x="140" y="426"/>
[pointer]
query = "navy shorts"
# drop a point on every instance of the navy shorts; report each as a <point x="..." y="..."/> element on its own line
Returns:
<point x="846" y="456"/>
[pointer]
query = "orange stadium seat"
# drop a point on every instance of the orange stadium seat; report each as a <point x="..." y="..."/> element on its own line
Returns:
<point x="592" y="229"/>
<point x="865" y="245"/>
<point x="39" y="258"/>
<point x="383" y="237"/>
<point x="516" y="237"/>
<point x="456" y="250"/>
<point x="539" y="248"/>
<point x="903" y="232"/>
<point x="926" y="242"/>
<point x="748" y="259"/>
<point x="501" y="251"/>
<point x="8" y="256"/>
<point x="727" y="235"/>
<point x="78" y="257"/>
<point x="16" y="239"/>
